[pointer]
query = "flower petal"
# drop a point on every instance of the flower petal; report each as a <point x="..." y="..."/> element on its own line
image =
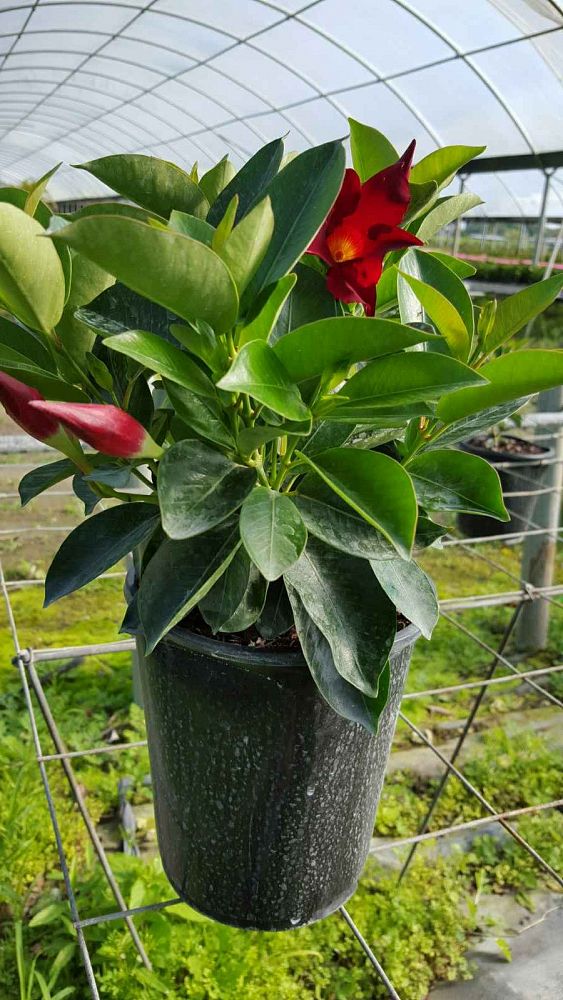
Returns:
<point x="16" y="398"/>
<point x="103" y="426"/>
<point x="385" y="197"/>
<point x="382" y="239"/>
<point x="351" y="282"/>
<point x="344" y="205"/>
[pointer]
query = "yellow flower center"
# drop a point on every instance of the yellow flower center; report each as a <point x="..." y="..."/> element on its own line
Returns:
<point x="345" y="243"/>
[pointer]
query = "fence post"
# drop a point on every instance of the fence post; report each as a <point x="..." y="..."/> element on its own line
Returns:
<point x="538" y="555"/>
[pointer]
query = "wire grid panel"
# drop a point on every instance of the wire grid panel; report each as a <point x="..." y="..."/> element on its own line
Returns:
<point x="527" y="593"/>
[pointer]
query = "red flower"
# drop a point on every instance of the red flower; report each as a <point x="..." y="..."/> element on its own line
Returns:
<point x="16" y="398"/>
<point x="361" y="227"/>
<point x="105" y="427"/>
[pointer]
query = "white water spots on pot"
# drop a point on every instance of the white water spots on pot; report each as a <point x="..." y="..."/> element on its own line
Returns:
<point x="310" y="790"/>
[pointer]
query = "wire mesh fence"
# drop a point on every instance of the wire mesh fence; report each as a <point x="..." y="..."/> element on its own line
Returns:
<point x="520" y="594"/>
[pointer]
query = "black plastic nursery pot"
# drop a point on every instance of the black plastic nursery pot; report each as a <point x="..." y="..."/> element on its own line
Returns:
<point x="520" y="507"/>
<point x="265" y="798"/>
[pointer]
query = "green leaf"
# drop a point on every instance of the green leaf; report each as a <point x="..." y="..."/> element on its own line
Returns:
<point x="309" y="301"/>
<point x="455" y="480"/>
<point x="442" y="164"/>
<point x="110" y="208"/>
<point x="18" y="196"/>
<point x="403" y="378"/>
<point x="160" y="356"/>
<point x="469" y="426"/>
<point x="158" y="185"/>
<point x="32" y="284"/>
<point x="438" y="274"/>
<point x="225" y="226"/>
<point x="411" y="591"/>
<point x="245" y="248"/>
<point x="422" y="197"/>
<point x="272" y="531"/>
<point x="376" y="487"/>
<point x="35" y="193"/>
<point x="251" y="604"/>
<point x="25" y="344"/>
<point x="203" y="415"/>
<point x="343" y="697"/>
<point x="189" y="569"/>
<point x="267" y="307"/>
<point x="49" y="385"/>
<point x="443" y="313"/>
<point x="250" y="183"/>
<point x="251" y="438"/>
<point x="444" y="211"/>
<point x="47" y="915"/>
<point x="200" y="339"/>
<point x="276" y="616"/>
<point x="198" y="488"/>
<point x="257" y="371"/>
<point x="463" y="268"/>
<point x="216" y="179"/>
<point x="371" y="150"/>
<point x="190" y="225"/>
<point x="119" y="309"/>
<point x="41" y="479"/>
<point x="331" y="519"/>
<point x="301" y="195"/>
<point x="326" y="434"/>
<point x="332" y="345"/>
<point x="221" y="602"/>
<point x="98" y="544"/>
<point x="514" y="311"/>
<point x="342" y="596"/>
<point x="510" y="377"/>
<point x="167" y="267"/>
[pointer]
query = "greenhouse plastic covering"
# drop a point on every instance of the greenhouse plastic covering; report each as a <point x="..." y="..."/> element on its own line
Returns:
<point x="190" y="80"/>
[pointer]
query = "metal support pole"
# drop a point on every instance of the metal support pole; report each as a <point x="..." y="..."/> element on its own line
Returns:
<point x="538" y="556"/>
<point x="457" y="230"/>
<point x="542" y="217"/>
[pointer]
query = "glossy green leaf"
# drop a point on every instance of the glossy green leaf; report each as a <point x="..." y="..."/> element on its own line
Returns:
<point x="443" y="314"/>
<point x="410" y="590"/>
<point x="332" y="345"/>
<point x="18" y="196"/>
<point x="158" y="185"/>
<point x="301" y="195"/>
<point x="41" y="479"/>
<point x="202" y="414"/>
<point x="404" y="378"/>
<point x="376" y="487"/>
<point x="35" y="193"/>
<point x="225" y="226"/>
<point x="216" y="179"/>
<point x="190" y="225"/>
<point x="98" y="544"/>
<point x="342" y="596"/>
<point x="245" y="248"/>
<point x="200" y="339"/>
<point x="422" y="197"/>
<point x="276" y="616"/>
<point x="510" y="377"/>
<point x="445" y="211"/>
<point x="167" y="267"/>
<point x="251" y="604"/>
<point x="272" y="531"/>
<point x="371" y="150"/>
<point x="250" y="183"/>
<point x="456" y="480"/>
<point x="514" y="311"/>
<point x="48" y="384"/>
<point x="190" y="568"/>
<point x="221" y="602"/>
<point x="160" y="356"/>
<point x="331" y="519"/>
<point x="326" y="434"/>
<point x="463" y="268"/>
<point x="32" y="284"/>
<point x="110" y="208"/>
<point x="468" y="427"/>
<point x="198" y="488"/>
<point x="27" y="344"/>
<point x="257" y="371"/>
<point x="265" y="311"/>
<point x="441" y="165"/>
<point x="441" y="277"/>
<point x="251" y="438"/>
<point x="308" y="302"/>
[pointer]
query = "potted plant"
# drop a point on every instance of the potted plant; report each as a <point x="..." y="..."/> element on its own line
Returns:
<point x="219" y="337"/>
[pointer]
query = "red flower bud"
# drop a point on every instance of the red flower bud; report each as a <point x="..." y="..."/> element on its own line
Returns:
<point x="16" y="398"/>
<point x="105" y="427"/>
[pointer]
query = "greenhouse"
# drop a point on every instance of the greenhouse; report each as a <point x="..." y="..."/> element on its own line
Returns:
<point x="281" y="466"/>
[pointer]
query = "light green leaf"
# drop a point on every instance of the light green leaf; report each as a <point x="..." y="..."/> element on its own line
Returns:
<point x="463" y="268"/>
<point x="510" y="377"/>
<point x="422" y="197"/>
<point x="225" y="226"/>
<point x="244" y="250"/>
<point x="456" y="480"/>
<point x="198" y="488"/>
<point x="262" y="319"/>
<point x="272" y="531"/>
<point x="216" y="179"/>
<point x="35" y="193"/>
<point x="167" y="267"/>
<point x="342" y="596"/>
<point x="332" y="345"/>
<point x="371" y="150"/>
<point x="444" y="211"/>
<point x="441" y="165"/>
<point x="190" y="568"/>
<point x="190" y="225"/>
<point x="411" y="591"/>
<point x="443" y="314"/>
<point x="257" y="371"/>
<point x="159" y="356"/>
<point x="441" y="276"/>
<point x="376" y="487"/>
<point x="514" y="311"/>
<point x="158" y="185"/>
<point x="32" y="284"/>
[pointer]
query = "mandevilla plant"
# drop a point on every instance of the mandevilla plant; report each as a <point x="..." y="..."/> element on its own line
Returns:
<point x="281" y="362"/>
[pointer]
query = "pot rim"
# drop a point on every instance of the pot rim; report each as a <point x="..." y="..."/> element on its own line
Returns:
<point x="499" y="455"/>
<point x="258" y="657"/>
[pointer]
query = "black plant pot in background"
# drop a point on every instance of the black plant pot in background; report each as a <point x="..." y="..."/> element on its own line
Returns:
<point x="265" y="798"/>
<point x="530" y="477"/>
